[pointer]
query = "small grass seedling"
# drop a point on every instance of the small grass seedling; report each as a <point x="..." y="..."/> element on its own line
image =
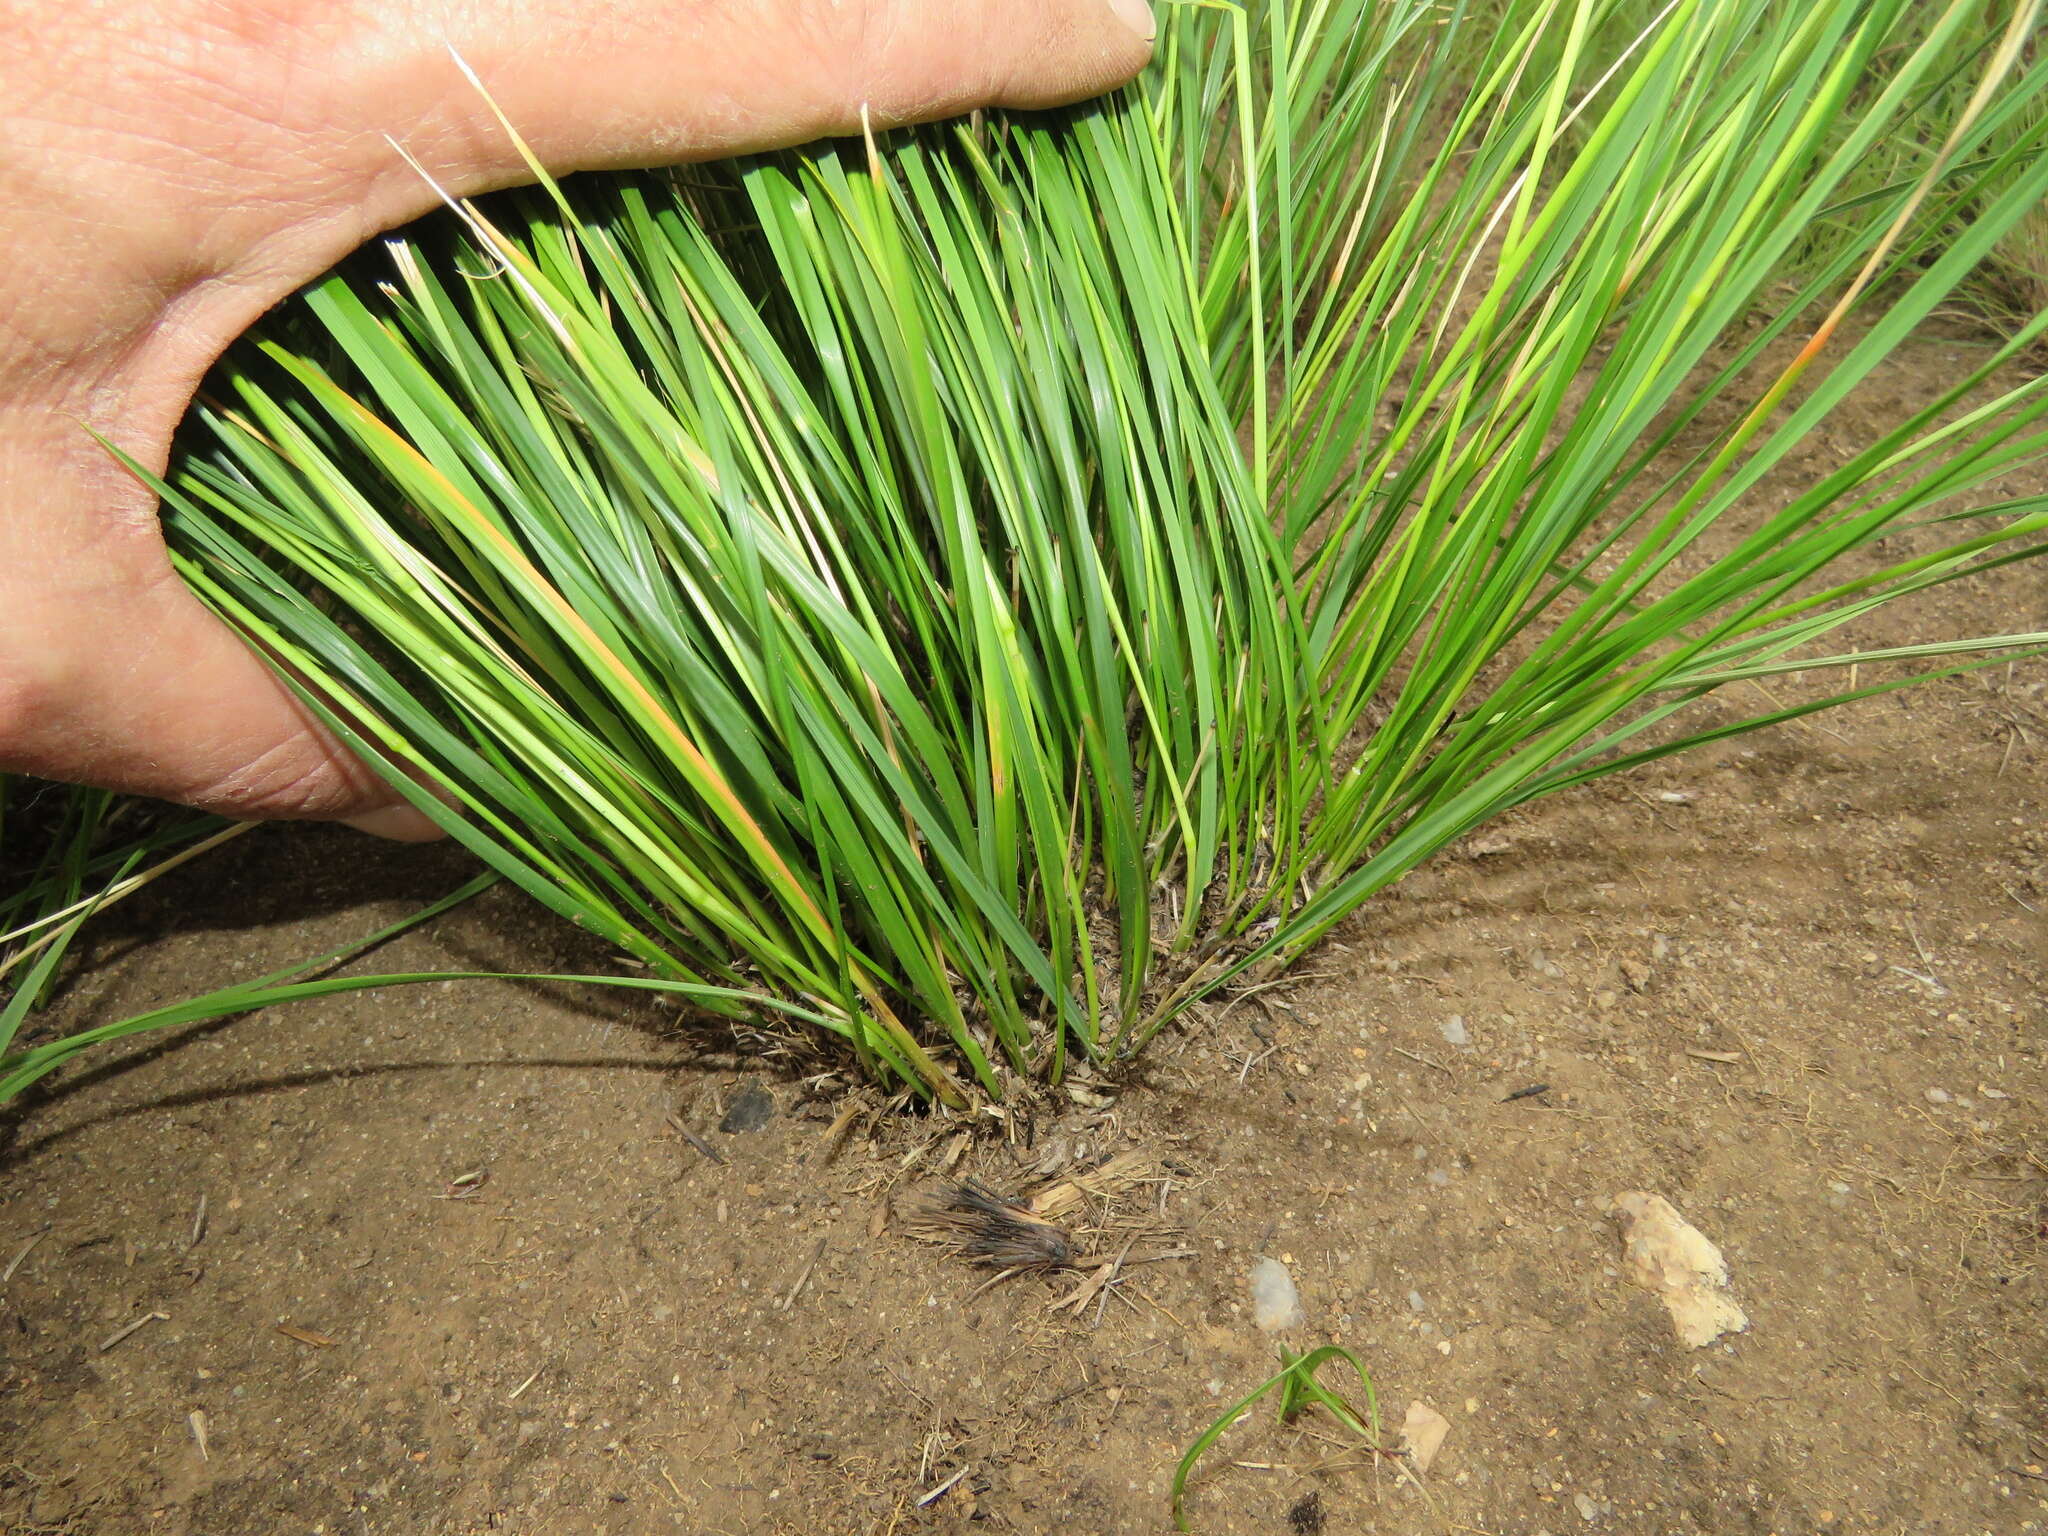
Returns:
<point x="1298" y="1388"/>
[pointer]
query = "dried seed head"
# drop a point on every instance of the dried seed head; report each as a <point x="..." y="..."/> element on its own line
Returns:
<point x="988" y="1229"/>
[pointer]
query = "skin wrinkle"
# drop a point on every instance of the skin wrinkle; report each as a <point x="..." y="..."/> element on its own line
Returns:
<point x="297" y="772"/>
<point x="169" y="169"/>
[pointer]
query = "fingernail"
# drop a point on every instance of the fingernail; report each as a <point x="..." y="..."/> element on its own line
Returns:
<point x="399" y="823"/>
<point x="1137" y="15"/>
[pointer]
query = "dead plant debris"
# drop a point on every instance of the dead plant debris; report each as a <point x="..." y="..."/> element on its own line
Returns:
<point x="1305" y="1518"/>
<point x="987" y="1228"/>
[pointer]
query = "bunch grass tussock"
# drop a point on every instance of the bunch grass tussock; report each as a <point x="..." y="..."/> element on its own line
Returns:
<point x="972" y="594"/>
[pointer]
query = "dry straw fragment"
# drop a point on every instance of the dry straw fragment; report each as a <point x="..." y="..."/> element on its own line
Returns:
<point x="1107" y="1180"/>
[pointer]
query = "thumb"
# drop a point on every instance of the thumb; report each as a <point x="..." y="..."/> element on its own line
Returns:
<point x="645" y="82"/>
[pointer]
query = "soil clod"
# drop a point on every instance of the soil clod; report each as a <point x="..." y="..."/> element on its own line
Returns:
<point x="750" y="1111"/>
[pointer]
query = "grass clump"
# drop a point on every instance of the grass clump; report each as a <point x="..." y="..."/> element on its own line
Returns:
<point x="977" y="591"/>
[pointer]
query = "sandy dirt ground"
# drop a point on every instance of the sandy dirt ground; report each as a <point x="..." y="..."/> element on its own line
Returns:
<point x="506" y="1257"/>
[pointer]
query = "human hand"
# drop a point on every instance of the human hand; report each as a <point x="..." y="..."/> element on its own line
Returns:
<point x="170" y="170"/>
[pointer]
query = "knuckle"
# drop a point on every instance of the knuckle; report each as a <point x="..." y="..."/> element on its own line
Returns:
<point x="306" y="777"/>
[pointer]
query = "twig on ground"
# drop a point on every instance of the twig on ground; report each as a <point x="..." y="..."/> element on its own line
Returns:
<point x="787" y="1299"/>
<point x="21" y="1253"/>
<point x="1425" y="1061"/>
<point x="696" y="1141"/>
<point x="939" y="1492"/>
<point x="124" y="1331"/>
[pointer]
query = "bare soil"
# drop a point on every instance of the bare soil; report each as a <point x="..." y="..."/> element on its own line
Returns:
<point x="478" y="1257"/>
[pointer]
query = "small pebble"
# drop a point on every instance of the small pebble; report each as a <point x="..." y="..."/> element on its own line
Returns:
<point x="1415" y="1302"/>
<point x="1453" y="1030"/>
<point x="1938" y="1096"/>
